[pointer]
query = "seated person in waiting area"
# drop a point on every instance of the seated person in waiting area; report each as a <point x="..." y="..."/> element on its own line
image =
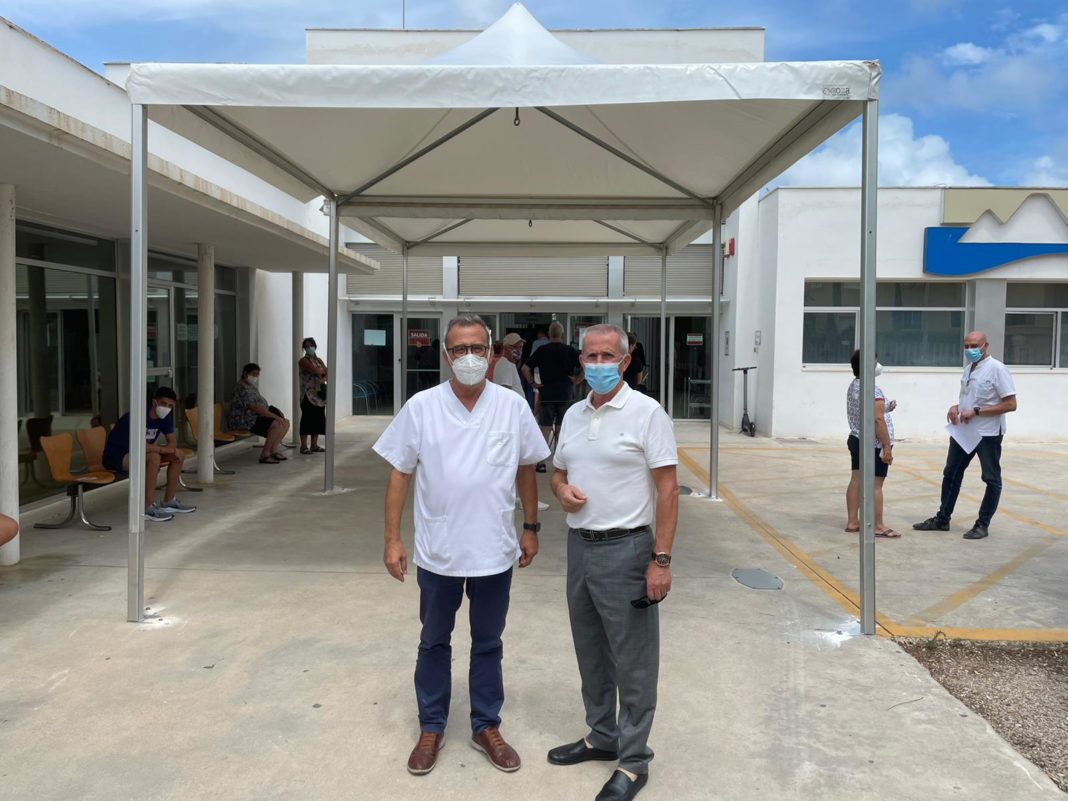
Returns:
<point x="8" y="529"/>
<point x="249" y="410"/>
<point x="158" y="423"/>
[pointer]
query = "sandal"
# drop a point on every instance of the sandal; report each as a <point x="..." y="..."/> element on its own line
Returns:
<point x="268" y="460"/>
<point x="279" y="456"/>
<point x="317" y="449"/>
<point x="305" y="450"/>
<point x="888" y="534"/>
<point x="849" y="530"/>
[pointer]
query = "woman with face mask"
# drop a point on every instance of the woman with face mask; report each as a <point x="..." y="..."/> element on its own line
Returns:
<point x="313" y="376"/>
<point x="250" y="411"/>
<point x="884" y="443"/>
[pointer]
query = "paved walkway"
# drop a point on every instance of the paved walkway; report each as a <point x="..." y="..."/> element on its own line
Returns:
<point x="278" y="661"/>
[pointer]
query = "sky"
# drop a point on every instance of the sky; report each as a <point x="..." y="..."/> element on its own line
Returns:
<point x="974" y="92"/>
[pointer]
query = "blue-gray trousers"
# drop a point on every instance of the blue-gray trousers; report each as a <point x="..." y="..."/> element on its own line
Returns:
<point x="618" y="646"/>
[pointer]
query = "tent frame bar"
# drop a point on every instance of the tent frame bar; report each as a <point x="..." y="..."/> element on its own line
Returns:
<point x="258" y="146"/>
<point x="135" y="499"/>
<point x="508" y="208"/>
<point x="625" y="233"/>
<point x="441" y="232"/>
<point x="400" y="165"/>
<point x="623" y="156"/>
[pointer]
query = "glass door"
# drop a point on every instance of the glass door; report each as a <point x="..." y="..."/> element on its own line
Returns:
<point x="159" y="357"/>
<point x="691" y="384"/>
<point x="373" y="363"/>
<point x="647" y="329"/>
<point x="423" y="340"/>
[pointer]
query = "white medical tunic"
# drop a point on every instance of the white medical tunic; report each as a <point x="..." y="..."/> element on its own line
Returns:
<point x="465" y="466"/>
<point x="608" y="454"/>
<point x="986" y="383"/>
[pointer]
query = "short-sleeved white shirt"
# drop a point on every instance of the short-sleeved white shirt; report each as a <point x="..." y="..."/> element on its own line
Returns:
<point x="465" y="465"/>
<point x="608" y="454"/>
<point x="506" y="375"/>
<point x="984" y="384"/>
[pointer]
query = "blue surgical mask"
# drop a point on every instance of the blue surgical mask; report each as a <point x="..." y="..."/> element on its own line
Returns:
<point x="973" y="354"/>
<point x="602" y="377"/>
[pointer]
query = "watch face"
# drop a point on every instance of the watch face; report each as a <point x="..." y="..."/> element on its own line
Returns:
<point x="662" y="559"/>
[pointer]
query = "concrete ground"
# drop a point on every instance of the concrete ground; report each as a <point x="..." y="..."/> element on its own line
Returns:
<point x="277" y="662"/>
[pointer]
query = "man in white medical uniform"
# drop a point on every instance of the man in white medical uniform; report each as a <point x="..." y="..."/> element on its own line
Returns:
<point x="470" y="443"/>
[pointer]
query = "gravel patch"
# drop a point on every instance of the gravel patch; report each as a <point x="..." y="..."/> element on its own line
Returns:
<point x="1021" y="689"/>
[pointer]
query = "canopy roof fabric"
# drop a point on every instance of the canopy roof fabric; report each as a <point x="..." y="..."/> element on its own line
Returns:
<point x="516" y="127"/>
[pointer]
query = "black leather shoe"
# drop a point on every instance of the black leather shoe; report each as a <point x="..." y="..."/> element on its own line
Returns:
<point x="574" y="753"/>
<point x="976" y="532"/>
<point x="620" y="788"/>
<point x="932" y="524"/>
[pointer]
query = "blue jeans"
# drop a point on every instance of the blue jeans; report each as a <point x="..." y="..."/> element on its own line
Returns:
<point x="957" y="461"/>
<point x="439" y="598"/>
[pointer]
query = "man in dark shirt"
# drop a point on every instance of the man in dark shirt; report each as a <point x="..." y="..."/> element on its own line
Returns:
<point x="634" y="375"/>
<point x="559" y="369"/>
<point x="159" y="422"/>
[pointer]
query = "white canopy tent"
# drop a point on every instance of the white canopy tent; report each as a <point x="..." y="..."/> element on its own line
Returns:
<point x="516" y="144"/>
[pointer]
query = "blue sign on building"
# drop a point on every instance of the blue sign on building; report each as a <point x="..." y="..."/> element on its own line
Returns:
<point x="945" y="254"/>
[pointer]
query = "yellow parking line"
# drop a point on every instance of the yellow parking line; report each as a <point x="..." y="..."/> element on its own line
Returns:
<point x="849" y="600"/>
<point x="962" y="596"/>
<point x="844" y="597"/>
<point x="1056" y="532"/>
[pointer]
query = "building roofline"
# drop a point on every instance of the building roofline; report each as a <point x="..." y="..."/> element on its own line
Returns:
<point x="20" y="30"/>
<point x="551" y="30"/>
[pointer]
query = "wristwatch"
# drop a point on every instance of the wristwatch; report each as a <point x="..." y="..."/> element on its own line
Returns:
<point x="662" y="559"/>
<point x="534" y="528"/>
<point x="976" y="410"/>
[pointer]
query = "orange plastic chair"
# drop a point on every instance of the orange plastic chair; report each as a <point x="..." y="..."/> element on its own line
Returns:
<point x="234" y="432"/>
<point x="193" y="415"/>
<point x="58" y="450"/>
<point x="92" y="442"/>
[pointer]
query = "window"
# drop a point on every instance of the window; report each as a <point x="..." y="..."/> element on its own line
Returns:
<point x="1036" y="325"/>
<point x="917" y="324"/>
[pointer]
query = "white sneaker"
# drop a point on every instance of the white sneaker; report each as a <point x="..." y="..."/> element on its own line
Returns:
<point x="157" y="515"/>
<point x="542" y="506"/>
<point x="175" y="506"/>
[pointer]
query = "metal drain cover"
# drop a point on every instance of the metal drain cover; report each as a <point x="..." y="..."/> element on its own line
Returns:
<point x="756" y="578"/>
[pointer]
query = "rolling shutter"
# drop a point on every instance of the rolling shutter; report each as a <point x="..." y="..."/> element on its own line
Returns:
<point x="557" y="277"/>
<point x="689" y="274"/>
<point x="424" y="274"/>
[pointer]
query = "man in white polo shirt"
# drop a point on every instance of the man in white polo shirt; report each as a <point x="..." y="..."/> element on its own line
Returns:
<point x="615" y="474"/>
<point x="470" y="443"/>
<point x="987" y="394"/>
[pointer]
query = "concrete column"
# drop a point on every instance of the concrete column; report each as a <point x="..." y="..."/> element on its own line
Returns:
<point x="989" y="314"/>
<point x="9" y="400"/>
<point x="40" y="390"/>
<point x="298" y="335"/>
<point x="205" y="363"/>
<point x="450" y="307"/>
<point x="615" y="290"/>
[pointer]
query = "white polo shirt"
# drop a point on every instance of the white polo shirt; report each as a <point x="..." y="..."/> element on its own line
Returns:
<point x="465" y="465"/>
<point x="984" y="384"/>
<point x="608" y="454"/>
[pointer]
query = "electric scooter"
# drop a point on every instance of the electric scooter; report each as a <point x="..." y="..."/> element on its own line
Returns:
<point x="748" y="426"/>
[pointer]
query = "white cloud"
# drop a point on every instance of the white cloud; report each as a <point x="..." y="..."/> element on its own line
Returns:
<point x="1045" y="171"/>
<point x="966" y="53"/>
<point x="904" y="160"/>
<point x="1022" y="74"/>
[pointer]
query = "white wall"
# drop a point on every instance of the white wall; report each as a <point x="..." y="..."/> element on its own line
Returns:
<point x="815" y="234"/>
<point x="272" y="349"/>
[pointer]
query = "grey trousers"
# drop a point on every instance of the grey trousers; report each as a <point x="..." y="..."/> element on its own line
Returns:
<point x="618" y="646"/>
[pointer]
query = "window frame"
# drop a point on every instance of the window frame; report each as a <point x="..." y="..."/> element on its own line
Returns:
<point x="1059" y="315"/>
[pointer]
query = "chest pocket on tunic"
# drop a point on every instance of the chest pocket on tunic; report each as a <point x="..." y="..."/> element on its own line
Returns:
<point x="501" y="449"/>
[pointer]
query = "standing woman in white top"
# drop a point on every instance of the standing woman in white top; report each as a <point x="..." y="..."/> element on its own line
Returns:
<point x="884" y="443"/>
<point x="987" y="394"/>
<point x="313" y="375"/>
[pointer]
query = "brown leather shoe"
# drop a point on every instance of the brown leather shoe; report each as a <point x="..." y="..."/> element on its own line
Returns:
<point x="425" y="754"/>
<point x="501" y="755"/>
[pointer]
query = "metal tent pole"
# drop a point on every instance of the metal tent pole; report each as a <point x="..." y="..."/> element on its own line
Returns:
<point x="331" y="349"/>
<point x="135" y="564"/>
<point x="298" y="335"/>
<point x="9" y="405"/>
<point x="868" y="205"/>
<point x="714" y="354"/>
<point x="205" y="363"/>
<point x="663" y="327"/>
<point x="403" y="344"/>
